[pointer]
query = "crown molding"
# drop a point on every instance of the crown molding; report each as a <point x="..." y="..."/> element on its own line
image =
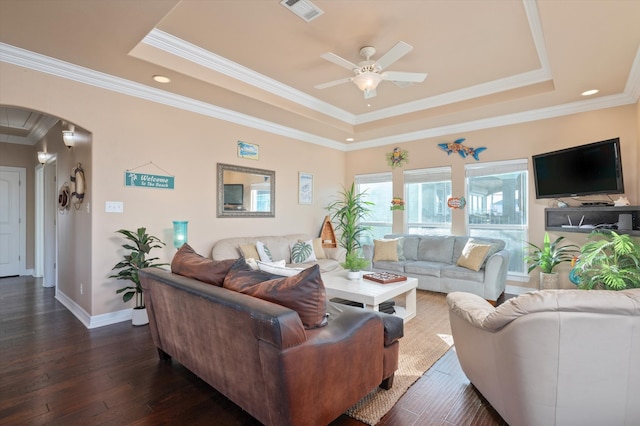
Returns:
<point x="35" y="61"/>
<point x="484" y="89"/>
<point x="632" y="87"/>
<point x="195" y="54"/>
<point x="26" y="59"/>
<point x="499" y="121"/>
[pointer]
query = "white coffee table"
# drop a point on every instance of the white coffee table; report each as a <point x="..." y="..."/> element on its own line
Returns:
<point x="371" y="293"/>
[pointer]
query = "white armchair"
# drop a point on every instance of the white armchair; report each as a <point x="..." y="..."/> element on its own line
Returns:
<point x="553" y="357"/>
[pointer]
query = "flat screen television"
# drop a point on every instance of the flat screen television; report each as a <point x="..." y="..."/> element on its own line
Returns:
<point x="233" y="194"/>
<point x="589" y="169"/>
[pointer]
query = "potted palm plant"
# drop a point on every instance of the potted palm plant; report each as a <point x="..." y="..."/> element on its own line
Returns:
<point x="611" y="262"/>
<point x="347" y="213"/>
<point x="354" y="263"/>
<point x="139" y="244"/>
<point x="547" y="257"/>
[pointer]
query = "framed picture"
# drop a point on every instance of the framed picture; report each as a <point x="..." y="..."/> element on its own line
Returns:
<point x="305" y="188"/>
<point x="248" y="150"/>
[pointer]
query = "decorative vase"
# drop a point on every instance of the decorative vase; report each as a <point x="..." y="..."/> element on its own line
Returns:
<point x="139" y="316"/>
<point x="354" y="275"/>
<point x="548" y="281"/>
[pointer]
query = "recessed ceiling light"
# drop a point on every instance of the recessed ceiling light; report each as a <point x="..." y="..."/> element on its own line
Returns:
<point x="161" y="79"/>
<point x="350" y="139"/>
<point x="590" y="92"/>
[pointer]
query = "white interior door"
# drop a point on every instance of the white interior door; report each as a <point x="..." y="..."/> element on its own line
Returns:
<point x="12" y="223"/>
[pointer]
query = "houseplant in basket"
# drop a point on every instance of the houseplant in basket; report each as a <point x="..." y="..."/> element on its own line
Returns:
<point x="609" y="261"/>
<point x="139" y="244"/>
<point x="354" y="263"/>
<point x="547" y="257"/>
<point x="347" y="213"/>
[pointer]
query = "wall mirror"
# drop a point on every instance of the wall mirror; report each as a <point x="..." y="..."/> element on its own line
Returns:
<point x="245" y="192"/>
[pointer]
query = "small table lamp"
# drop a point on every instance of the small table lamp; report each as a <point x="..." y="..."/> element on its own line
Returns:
<point x="179" y="233"/>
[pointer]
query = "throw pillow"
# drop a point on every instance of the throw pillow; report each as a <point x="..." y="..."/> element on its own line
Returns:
<point x="252" y="263"/>
<point x="302" y="252"/>
<point x="188" y="263"/>
<point x="385" y="250"/>
<point x="263" y="252"/>
<point x="473" y="255"/>
<point x="276" y="269"/>
<point x="249" y="251"/>
<point x="303" y="292"/>
<point x="401" y="256"/>
<point x="318" y="249"/>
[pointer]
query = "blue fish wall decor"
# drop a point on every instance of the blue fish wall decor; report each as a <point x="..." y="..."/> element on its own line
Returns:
<point x="461" y="149"/>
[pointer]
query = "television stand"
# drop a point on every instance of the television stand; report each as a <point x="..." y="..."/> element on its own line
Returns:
<point x="585" y="219"/>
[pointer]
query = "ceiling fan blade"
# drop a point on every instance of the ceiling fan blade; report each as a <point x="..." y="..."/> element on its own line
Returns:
<point x="413" y="77"/>
<point x="333" y="83"/>
<point x="370" y="93"/>
<point x="398" y="51"/>
<point x="332" y="57"/>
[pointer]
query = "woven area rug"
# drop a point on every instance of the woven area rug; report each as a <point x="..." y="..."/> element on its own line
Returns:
<point x="426" y="338"/>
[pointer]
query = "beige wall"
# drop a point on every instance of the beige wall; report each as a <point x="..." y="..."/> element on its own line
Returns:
<point x="514" y="142"/>
<point x="126" y="133"/>
<point x="73" y="225"/>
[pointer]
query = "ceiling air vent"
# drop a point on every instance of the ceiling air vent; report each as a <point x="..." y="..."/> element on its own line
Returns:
<point x="303" y="8"/>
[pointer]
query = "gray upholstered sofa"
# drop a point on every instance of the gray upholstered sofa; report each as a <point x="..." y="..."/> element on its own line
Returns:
<point x="553" y="357"/>
<point x="328" y="259"/>
<point x="433" y="260"/>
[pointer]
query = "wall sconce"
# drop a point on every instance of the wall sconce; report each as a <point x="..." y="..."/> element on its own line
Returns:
<point x="42" y="157"/>
<point x="179" y="233"/>
<point x="68" y="136"/>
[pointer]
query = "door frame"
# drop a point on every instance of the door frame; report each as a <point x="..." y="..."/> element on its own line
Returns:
<point x="46" y="236"/>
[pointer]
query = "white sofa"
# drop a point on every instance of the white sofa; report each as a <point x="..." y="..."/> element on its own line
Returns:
<point x="553" y="357"/>
<point x="280" y="248"/>
<point x="433" y="261"/>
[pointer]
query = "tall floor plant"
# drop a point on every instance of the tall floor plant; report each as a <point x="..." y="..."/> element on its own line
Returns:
<point x="347" y="213"/>
<point x="610" y="261"/>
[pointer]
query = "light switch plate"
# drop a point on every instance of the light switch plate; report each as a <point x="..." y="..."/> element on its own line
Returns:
<point x="114" y="207"/>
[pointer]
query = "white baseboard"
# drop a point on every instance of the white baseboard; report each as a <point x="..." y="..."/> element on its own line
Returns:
<point x="96" y="320"/>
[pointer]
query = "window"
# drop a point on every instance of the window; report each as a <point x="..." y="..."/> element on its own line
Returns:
<point x="497" y="206"/>
<point x="426" y="192"/>
<point x="379" y="190"/>
<point x="260" y="197"/>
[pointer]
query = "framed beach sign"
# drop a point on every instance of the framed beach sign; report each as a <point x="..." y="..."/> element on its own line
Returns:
<point x="248" y="150"/>
<point x="305" y="188"/>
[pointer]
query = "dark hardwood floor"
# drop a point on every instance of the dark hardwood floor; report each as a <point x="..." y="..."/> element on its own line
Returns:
<point x="55" y="371"/>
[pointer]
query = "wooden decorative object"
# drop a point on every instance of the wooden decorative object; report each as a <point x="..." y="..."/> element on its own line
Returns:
<point x="327" y="234"/>
<point x="384" y="277"/>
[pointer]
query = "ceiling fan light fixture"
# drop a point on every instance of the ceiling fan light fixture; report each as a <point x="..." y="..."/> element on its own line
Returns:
<point x="367" y="80"/>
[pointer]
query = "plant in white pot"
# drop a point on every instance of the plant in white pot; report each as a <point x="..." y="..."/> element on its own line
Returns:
<point x="547" y="257"/>
<point x="348" y="212"/>
<point x="354" y="263"/>
<point x="139" y="245"/>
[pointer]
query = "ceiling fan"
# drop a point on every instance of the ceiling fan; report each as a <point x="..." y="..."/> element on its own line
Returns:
<point x="368" y="74"/>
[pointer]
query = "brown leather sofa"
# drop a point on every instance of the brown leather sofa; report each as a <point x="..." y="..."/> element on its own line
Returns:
<point x="259" y="354"/>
